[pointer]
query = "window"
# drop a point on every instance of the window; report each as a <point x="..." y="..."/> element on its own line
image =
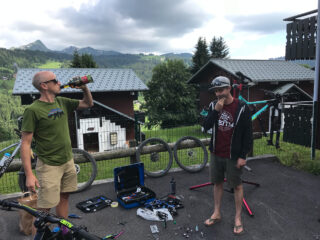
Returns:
<point x="113" y="138"/>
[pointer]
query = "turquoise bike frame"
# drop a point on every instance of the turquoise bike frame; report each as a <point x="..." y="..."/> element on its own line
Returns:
<point x="254" y="116"/>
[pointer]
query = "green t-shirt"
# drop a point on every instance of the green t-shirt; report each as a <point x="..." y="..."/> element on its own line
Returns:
<point x="49" y="124"/>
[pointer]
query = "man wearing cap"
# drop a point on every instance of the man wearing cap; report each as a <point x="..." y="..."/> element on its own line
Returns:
<point x="231" y="140"/>
<point x="46" y="120"/>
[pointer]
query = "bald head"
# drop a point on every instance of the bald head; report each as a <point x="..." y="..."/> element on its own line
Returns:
<point x="41" y="77"/>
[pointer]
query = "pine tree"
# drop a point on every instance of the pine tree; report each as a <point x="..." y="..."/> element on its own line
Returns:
<point x="87" y="61"/>
<point x="219" y="48"/>
<point x="83" y="61"/>
<point x="76" y="61"/>
<point x="201" y="55"/>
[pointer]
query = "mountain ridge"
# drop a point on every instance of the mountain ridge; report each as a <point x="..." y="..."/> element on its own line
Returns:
<point x="32" y="57"/>
<point x="38" y="45"/>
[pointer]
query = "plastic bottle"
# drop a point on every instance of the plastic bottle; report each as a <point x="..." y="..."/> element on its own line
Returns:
<point x="173" y="186"/>
<point x="78" y="81"/>
<point x="4" y="159"/>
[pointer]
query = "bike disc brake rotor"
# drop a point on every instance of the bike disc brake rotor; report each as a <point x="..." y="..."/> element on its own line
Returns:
<point x="77" y="168"/>
<point x="154" y="157"/>
<point x="191" y="153"/>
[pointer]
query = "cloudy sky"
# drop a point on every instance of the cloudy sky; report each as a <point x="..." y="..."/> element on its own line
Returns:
<point x="253" y="29"/>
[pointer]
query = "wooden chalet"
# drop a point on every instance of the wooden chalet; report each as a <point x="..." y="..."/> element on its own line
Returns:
<point x="110" y="123"/>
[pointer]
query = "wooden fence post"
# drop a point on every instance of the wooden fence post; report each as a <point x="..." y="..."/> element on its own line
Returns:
<point x="133" y="143"/>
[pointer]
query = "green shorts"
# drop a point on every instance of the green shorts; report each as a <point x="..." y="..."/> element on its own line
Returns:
<point x="221" y="168"/>
<point x="54" y="180"/>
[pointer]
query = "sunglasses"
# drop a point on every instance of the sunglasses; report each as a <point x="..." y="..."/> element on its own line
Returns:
<point x="218" y="83"/>
<point x="55" y="81"/>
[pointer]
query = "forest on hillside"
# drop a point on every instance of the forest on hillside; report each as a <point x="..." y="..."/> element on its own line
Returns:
<point x="11" y="109"/>
<point x="141" y="64"/>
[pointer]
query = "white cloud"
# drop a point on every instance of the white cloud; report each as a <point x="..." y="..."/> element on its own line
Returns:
<point x="251" y="28"/>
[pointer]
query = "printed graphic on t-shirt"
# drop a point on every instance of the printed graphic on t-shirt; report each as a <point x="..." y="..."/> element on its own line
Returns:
<point x="57" y="112"/>
<point x="225" y="122"/>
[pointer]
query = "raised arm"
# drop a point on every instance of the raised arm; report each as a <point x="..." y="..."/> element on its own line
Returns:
<point x="211" y="118"/>
<point x="87" y="100"/>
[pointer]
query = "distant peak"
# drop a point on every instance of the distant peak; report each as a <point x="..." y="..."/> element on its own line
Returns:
<point x="35" y="46"/>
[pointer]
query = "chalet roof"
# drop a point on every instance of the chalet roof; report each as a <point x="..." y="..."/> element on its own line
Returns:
<point x="113" y="110"/>
<point x="104" y="80"/>
<point x="258" y="70"/>
<point x="287" y="87"/>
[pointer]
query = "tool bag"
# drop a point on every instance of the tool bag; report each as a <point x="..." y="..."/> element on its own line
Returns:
<point x="25" y="218"/>
<point x="94" y="204"/>
<point x="129" y="186"/>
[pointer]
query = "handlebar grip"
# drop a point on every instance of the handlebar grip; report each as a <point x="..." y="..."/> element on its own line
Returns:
<point x="6" y="203"/>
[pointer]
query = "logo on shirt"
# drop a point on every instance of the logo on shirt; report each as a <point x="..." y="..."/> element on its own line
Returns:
<point x="225" y="122"/>
<point x="57" y="112"/>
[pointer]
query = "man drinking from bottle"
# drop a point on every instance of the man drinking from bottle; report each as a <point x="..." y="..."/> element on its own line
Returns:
<point x="46" y="120"/>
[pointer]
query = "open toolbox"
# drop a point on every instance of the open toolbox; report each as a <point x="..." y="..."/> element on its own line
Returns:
<point x="129" y="186"/>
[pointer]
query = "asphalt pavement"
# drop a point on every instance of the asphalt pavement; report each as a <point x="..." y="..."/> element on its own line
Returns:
<point x="285" y="206"/>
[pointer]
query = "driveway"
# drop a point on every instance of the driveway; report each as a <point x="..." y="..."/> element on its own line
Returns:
<point x="285" y="206"/>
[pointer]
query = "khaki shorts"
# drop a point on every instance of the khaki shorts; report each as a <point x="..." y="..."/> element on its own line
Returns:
<point x="54" y="180"/>
<point x="221" y="168"/>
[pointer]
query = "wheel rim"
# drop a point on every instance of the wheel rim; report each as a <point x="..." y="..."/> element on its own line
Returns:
<point x="190" y="159"/>
<point x="158" y="160"/>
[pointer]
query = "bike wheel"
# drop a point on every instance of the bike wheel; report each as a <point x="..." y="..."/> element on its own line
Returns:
<point x="86" y="171"/>
<point x="86" y="168"/>
<point x="156" y="156"/>
<point x="190" y="154"/>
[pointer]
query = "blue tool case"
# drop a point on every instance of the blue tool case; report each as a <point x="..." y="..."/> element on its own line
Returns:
<point x="129" y="186"/>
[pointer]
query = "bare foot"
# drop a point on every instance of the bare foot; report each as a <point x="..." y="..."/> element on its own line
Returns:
<point x="238" y="227"/>
<point x="215" y="218"/>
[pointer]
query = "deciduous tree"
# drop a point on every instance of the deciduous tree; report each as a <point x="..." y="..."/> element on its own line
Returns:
<point x="170" y="101"/>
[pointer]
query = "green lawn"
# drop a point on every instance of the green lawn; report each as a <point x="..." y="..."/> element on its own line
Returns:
<point x="51" y="64"/>
<point x="290" y="155"/>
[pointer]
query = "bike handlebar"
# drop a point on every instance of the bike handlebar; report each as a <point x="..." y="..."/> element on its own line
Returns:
<point x="48" y="218"/>
<point x="238" y="86"/>
<point x="242" y="77"/>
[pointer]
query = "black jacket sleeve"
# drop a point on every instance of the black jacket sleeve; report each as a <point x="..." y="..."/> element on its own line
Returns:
<point x="211" y="118"/>
<point x="247" y="137"/>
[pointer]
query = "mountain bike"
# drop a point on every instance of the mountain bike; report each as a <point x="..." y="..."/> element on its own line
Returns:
<point x="275" y="103"/>
<point x="85" y="164"/>
<point x="189" y="153"/>
<point x="43" y="230"/>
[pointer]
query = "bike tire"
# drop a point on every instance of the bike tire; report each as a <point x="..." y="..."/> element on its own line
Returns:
<point x="86" y="173"/>
<point x="88" y="170"/>
<point x="156" y="164"/>
<point x="191" y="160"/>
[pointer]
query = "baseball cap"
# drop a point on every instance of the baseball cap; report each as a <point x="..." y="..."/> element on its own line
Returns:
<point x="219" y="82"/>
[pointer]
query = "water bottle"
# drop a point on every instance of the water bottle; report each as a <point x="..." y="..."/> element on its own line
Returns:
<point x="78" y="81"/>
<point x="4" y="159"/>
<point x="55" y="230"/>
<point x="173" y="186"/>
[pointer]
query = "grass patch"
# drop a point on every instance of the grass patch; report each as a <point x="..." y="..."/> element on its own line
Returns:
<point x="51" y="64"/>
<point x="173" y="134"/>
<point x="290" y="154"/>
